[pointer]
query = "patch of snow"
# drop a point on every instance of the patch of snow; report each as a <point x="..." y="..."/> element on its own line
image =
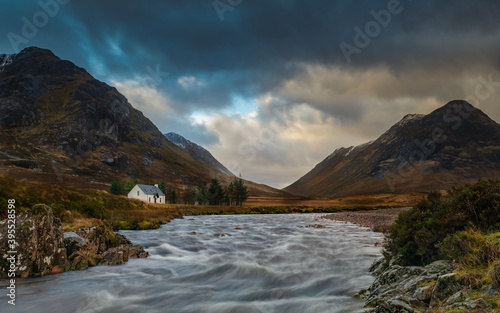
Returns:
<point x="5" y="59"/>
<point x="334" y="153"/>
<point x="410" y="117"/>
<point x="350" y="150"/>
<point x="366" y="144"/>
<point x="180" y="144"/>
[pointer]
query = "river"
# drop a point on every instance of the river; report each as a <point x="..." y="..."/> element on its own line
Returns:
<point x="217" y="264"/>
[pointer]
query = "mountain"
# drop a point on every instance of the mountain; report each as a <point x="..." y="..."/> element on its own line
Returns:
<point x="197" y="152"/>
<point x="454" y="145"/>
<point x="59" y="125"/>
<point x="56" y="118"/>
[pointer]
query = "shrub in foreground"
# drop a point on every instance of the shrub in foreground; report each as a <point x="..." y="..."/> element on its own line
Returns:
<point x="416" y="235"/>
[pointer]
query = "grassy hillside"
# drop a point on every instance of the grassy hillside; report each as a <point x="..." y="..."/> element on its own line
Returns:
<point x="83" y="207"/>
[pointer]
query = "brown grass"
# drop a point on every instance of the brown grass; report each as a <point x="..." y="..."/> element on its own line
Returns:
<point x="388" y="200"/>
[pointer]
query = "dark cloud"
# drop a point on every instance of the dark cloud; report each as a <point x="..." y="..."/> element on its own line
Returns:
<point x="428" y="53"/>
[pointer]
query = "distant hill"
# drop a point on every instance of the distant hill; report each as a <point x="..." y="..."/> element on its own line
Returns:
<point x="197" y="152"/>
<point x="58" y="120"/>
<point x="454" y="145"/>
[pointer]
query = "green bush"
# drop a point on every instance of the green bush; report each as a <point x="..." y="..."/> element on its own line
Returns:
<point x="417" y="233"/>
<point x="470" y="248"/>
<point x="494" y="274"/>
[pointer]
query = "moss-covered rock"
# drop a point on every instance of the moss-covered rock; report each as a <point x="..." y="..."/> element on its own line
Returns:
<point x="39" y="243"/>
<point x="102" y="246"/>
<point x="42" y="249"/>
<point x="82" y="260"/>
<point x="100" y="238"/>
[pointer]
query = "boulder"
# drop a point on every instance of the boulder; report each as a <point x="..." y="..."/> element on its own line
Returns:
<point x="408" y="288"/>
<point x="137" y="251"/>
<point x="100" y="245"/>
<point x="73" y="243"/>
<point x="445" y="287"/>
<point x="400" y="305"/>
<point x="115" y="256"/>
<point x="82" y="260"/>
<point x="100" y="238"/>
<point x="42" y="248"/>
<point x="39" y="243"/>
<point x="423" y="294"/>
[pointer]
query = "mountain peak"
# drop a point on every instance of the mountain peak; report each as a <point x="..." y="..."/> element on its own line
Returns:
<point x="197" y="152"/>
<point x="454" y="145"/>
<point x="82" y="125"/>
<point x="37" y="51"/>
<point x="456" y="105"/>
<point x="38" y="62"/>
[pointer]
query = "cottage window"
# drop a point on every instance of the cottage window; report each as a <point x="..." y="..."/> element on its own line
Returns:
<point x="137" y="192"/>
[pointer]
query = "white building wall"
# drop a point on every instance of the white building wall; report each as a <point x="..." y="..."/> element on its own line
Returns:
<point x="137" y="193"/>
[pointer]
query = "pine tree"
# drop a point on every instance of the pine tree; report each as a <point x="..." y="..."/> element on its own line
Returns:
<point x="163" y="187"/>
<point x="171" y="195"/>
<point x="215" y="193"/>
<point x="201" y="195"/>
<point x="116" y="188"/>
<point x="129" y="185"/>
<point x="189" y="196"/>
<point x="230" y="193"/>
<point x="238" y="192"/>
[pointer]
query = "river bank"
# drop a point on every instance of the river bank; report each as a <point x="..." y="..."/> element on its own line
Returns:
<point x="378" y="220"/>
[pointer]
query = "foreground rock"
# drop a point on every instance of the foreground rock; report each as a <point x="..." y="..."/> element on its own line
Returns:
<point x="42" y="248"/>
<point x="415" y="289"/>
<point x="39" y="244"/>
<point x="99" y="245"/>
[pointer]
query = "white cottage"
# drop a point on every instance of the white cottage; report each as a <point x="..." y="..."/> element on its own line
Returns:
<point x="147" y="193"/>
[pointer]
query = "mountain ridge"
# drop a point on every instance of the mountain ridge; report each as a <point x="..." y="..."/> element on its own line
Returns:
<point x="60" y="123"/>
<point x="80" y="124"/>
<point x="451" y="146"/>
<point x="197" y="152"/>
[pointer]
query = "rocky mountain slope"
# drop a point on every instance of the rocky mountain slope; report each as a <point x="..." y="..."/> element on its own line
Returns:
<point x="454" y="145"/>
<point x="197" y="152"/>
<point x="55" y="117"/>
<point x="58" y="124"/>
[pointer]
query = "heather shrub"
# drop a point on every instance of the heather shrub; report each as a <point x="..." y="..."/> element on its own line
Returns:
<point x="494" y="274"/>
<point x="470" y="248"/>
<point x="416" y="235"/>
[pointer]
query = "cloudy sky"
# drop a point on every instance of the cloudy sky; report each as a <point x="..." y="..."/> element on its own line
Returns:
<point x="273" y="87"/>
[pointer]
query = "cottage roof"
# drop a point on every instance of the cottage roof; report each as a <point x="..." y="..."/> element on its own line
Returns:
<point x="150" y="190"/>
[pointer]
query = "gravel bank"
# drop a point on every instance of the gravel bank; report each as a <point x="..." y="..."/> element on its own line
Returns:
<point x="377" y="220"/>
